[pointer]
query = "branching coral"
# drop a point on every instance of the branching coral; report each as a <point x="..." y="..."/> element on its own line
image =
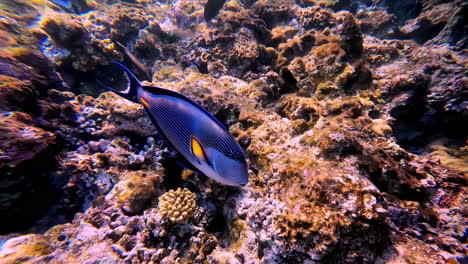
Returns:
<point x="177" y="205"/>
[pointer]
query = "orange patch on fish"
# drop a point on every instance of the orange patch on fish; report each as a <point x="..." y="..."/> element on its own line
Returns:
<point x="197" y="149"/>
<point x="144" y="102"/>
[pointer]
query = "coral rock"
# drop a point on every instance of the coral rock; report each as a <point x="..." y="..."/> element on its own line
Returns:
<point x="134" y="192"/>
<point x="315" y="17"/>
<point x="20" y="139"/>
<point x="25" y="249"/>
<point x="66" y="31"/>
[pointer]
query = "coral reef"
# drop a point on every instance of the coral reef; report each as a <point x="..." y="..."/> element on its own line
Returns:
<point x="354" y="124"/>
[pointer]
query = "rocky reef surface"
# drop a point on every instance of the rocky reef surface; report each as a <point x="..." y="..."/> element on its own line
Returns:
<point x="353" y="116"/>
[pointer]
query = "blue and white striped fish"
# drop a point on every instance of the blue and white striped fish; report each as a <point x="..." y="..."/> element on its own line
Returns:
<point x="194" y="132"/>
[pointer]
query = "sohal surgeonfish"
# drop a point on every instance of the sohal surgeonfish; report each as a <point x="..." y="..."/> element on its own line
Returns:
<point x="205" y="144"/>
<point x="212" y="8"/>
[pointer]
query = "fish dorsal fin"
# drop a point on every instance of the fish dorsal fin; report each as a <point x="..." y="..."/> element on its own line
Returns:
<point x="197" y="149"/>
<point x="162" y="91"/>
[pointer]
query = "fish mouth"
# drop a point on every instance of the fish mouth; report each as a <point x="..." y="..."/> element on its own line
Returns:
<point x="244" y="183"/>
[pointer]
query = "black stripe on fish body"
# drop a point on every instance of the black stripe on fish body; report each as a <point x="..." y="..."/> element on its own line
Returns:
<point x="151" y="113"/>
<point x="186" y="164"/>
<point x="226" y="144"/>
<point x="222" y="141"/>
<point x="161" y="91"/>
<point x="183" y="125"/>
<point x="180" y="158"/>
<point x="155" y="124"/>
<point x="173" y="125"/>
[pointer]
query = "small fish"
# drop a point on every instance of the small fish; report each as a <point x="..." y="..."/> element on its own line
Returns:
<point x="135" y="61"/>
<point x="204" y="143"/>
<point x="212" y="8"/>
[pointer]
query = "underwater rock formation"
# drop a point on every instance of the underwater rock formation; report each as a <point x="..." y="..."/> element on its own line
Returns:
<point x="25" y="249"/>
<point x="352" y="115"/>
<point x="20" y="140"/>
<point x="26" y="186"/>
<point x="133" y="192"/>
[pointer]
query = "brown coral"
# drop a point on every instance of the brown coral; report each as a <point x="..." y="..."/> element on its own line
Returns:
<point x="17" y="95"/>
<point x="20" y="140"/>
<point x="127" y="22"/>
<point x="378" y="23"/>
<point x="25" y="249"/>
<point x="134" y="191"/>
<point x="330" y="180"/>
<point x="188" y="13"/>
<point x="65" y="30"/>
<point x="273" y="12"/>
<point x="315" y="18"/>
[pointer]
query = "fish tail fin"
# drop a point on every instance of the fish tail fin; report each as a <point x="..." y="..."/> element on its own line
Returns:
<point x="113" y="78"/>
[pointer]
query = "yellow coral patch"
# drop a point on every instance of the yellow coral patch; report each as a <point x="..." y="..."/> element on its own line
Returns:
<point x="27" y="247"/>
<point x="177" y="205"/>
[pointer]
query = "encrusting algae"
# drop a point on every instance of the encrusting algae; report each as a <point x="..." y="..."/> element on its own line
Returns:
<point x="134" y="192"/>
<point x="25" y="248"/>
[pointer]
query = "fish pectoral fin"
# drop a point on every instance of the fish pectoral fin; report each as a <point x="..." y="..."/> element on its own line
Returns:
<point x="197" y="149"/>
<point x="184" y="163"/>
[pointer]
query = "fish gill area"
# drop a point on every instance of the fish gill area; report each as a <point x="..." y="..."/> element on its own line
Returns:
<point x="353" y="116"/>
